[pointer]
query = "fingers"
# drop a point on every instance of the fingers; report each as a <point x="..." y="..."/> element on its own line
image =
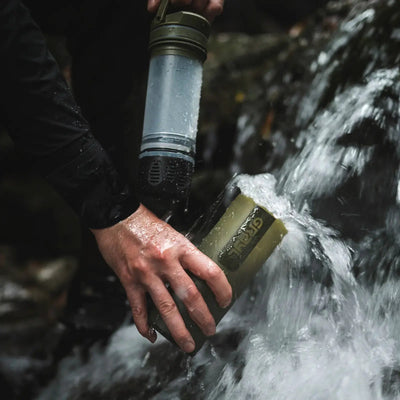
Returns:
<point x="209" y="8"/>
<point x="188" y="293"/>
<point x="137" y="301"/>
<point x="152" y="5"/>
<point x="203" y="267"/>
<point x="171" y="316"/>
<point x="213" y="9"/>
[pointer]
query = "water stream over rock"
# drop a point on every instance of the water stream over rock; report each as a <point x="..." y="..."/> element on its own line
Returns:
<point x="321" y="320"/>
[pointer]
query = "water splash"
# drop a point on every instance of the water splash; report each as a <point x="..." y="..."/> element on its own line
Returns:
<point x="125" y="356"/>
<point x="323" y="163"/>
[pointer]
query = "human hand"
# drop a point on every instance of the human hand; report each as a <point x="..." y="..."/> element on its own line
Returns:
<point x="208" y="8"/>
<point x="146" y="253"/>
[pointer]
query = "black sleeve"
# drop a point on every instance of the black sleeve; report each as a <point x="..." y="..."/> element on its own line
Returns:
<point x="48" y="128"/>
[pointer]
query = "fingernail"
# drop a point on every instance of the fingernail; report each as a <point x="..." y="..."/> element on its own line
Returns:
<point x="210" y="330"/>
<point x="226" y="304"/>
<point x="188" y="346"/>
<point x="152" y="335"/>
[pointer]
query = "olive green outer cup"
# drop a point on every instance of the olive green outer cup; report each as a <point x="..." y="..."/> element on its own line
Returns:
<point x="240" y="243"/>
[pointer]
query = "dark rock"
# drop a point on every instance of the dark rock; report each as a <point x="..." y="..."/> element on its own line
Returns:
<point x="32" y="298"/>
<point x="258" y="16"/>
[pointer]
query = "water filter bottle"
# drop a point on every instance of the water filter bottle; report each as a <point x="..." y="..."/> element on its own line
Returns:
<point x="242" y="238"/>
<point x="178" y="44"/>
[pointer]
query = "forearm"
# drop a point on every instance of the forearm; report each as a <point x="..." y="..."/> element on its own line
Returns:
<point x="89" y="182"/>
<point x="48" y="127"/>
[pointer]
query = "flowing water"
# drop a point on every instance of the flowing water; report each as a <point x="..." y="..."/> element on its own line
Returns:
<point x="322" y="319"/>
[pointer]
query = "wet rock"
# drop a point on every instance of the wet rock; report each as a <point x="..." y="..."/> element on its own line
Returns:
<point x="312" y="66"/>
<point x="252" y="85"/>
<point x="32" y="298"/>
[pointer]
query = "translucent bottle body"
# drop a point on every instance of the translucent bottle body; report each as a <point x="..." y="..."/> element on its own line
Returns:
<point x="172" y="105"/>
<point x="170" y="128"/>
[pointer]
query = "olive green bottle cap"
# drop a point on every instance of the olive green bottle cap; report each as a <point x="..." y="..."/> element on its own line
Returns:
<point x="180" y="33"/>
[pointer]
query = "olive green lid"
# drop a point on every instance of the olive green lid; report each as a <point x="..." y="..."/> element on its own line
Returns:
<point x="180" y="33"/>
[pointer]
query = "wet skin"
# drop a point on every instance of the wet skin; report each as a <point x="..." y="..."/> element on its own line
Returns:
<point x="146" y="254"/>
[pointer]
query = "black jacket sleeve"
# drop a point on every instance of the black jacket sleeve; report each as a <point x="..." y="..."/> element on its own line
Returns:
<point x="48" y="128"/>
